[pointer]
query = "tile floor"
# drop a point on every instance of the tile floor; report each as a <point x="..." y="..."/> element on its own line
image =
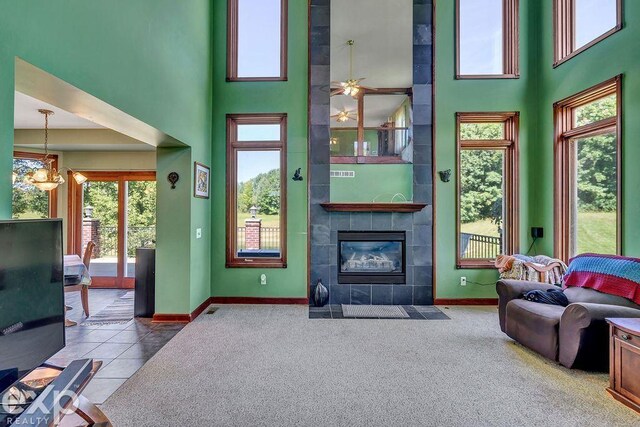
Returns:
<point x="123" y="348"/>
<point x="415" y="312"/>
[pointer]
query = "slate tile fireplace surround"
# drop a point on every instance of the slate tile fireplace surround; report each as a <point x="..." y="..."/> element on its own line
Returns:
<point x="417" y="288"/>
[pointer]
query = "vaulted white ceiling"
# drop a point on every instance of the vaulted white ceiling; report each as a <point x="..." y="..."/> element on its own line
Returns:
<point x="26" y="115"/>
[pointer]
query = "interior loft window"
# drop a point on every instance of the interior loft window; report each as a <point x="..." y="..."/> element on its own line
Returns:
<point x="588" y="171"/>
<point x="29" y="202"/>
<point x="257" y="40"/>
<point x="256" y="189"/>
<point x="487" y="187"/>
<point x="487" y="38"/>
<point x="579" y="24"/>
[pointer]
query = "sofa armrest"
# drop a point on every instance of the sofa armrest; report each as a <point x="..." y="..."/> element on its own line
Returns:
<point x="584" y="334"/>
<point x="513" y="289"/>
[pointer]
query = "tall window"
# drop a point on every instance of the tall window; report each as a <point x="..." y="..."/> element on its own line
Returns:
<point x="487" y="187"/>
<point x="487" y="38"/>
<point x="579" y="24"/>
<point x="29" y="202"/>
<point x="256" y="190"/>
<point x="587" y="182"/>
<point x="257" y="40"/>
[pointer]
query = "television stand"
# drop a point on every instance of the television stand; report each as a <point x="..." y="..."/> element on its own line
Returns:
<point x="47" y="394"/>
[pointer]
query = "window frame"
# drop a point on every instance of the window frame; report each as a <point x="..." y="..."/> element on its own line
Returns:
<point x="510" y="146"/>
<point x="53" y="194"/>
<point x="564" y="24"/>
<point x="233" y="147"/>
<point x="564" y="132"/>
<point x="232" y="44"/>
<point x="510" y="43"/>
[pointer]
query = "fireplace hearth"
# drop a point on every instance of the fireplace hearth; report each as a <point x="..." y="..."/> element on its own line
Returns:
<point x="371" y="257"/>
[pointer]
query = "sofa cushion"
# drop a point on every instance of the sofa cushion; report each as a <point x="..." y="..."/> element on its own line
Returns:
<point x="575" y="294"/>
<point x="534" y="325"/>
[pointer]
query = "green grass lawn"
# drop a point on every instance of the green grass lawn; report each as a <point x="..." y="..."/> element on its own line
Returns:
<point x="267" y="220"/>
<point x="596" y="231"/>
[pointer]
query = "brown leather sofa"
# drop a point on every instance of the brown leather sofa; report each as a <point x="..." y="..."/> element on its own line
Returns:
<point x="577" y="336"/>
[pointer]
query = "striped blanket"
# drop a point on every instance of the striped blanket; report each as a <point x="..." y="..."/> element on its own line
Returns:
<point x="610" y="274"/>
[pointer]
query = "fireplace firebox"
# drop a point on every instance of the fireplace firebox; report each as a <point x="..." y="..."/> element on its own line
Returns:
<point x="371" y="257"/>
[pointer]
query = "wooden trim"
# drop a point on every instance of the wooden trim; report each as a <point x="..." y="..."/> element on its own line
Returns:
<point x="182" y="318"/>
<point x="373" y="207"/>
<point x="564" y="132"/>
<point x="232" y="44"/>
<point x="511" y="179"/>
<point x="171" y="318"/>
<point x="233" y="147"/>
<point x="465" y="301"/>
<point x="564" y="25"/>
<point x="53" y="194"/>
<point x="434" y="168"/>
<point x="259" y="300"/>
<point x="510" y="43"/>
<point x="74" y="220"/>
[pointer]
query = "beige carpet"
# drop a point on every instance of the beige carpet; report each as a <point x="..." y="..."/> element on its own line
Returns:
<point x="272" y="366"/>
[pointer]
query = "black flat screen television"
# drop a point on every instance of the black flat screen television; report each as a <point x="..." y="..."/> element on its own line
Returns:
<point x="31" y="296"/>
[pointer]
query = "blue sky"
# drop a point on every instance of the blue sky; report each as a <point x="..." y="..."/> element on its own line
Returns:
<point x="253" y="163"/>
<point x="259" y="38"/>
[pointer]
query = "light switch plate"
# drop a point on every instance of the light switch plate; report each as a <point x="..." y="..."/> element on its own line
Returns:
<point x="198" y="233"/>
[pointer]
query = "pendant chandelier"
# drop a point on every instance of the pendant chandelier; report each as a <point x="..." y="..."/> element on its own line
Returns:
<point x="47" y="177"/>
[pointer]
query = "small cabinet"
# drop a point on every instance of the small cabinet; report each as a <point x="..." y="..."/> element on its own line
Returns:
<point x="624" y="382"/>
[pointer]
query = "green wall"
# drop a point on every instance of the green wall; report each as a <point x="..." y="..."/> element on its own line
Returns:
<point x="617" y="54"/>
<point x="152" y="60"/>
<point x="539" y="86"/>
<point x="256" y="97"/>
<point x="453" y="96"/>
<point x="372" y="182"/>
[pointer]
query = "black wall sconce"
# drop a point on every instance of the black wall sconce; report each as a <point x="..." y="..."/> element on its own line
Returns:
<point x="297" y="176"/>
<point x="173" y="178"/>
<point x="445" y="175"/>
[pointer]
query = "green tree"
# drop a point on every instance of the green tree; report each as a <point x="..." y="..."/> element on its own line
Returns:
<point x="263" y="191"/>
<point x="28" y="201"/>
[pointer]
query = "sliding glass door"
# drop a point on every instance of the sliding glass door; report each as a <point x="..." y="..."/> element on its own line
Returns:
<point x="117" y="211"/>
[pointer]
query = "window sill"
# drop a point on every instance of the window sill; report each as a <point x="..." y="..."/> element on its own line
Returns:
<point x="476" y="265"/>
<point x="255" y="263"/>
<point x="486" y="76"/>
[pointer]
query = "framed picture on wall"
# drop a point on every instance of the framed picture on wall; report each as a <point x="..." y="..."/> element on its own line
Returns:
<point x="201" y="180"/>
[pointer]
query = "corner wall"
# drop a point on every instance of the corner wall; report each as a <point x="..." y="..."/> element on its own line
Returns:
<point x="152" y="60"/>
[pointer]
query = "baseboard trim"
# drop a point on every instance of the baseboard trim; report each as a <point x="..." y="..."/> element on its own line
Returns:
<point x="257" y="300"/>
<point x="181" y="318"/>
<point x="466" y="301"/>
<point x="171" y="318"/>
<point x="186" y="318"/>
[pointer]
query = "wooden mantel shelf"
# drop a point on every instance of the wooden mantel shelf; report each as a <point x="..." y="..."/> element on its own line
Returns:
<point x="373" y="207"/>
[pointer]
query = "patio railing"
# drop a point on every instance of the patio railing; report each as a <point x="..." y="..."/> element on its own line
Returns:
<point x="269" y="238"/>
<point x="137" y="237"/>
<point x="479" y="246"/>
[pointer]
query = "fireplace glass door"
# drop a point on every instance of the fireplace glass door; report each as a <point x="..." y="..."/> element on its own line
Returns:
<point x="371" y="257"/>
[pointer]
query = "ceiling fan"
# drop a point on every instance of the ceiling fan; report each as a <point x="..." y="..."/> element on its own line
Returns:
<point x="351" y="86"/>
<point x="344" y="116"/>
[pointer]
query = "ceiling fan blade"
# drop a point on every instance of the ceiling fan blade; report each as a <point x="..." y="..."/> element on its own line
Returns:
<point x="337" y="91"/>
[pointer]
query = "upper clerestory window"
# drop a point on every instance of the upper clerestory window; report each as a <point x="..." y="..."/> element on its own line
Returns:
<point x="257" y="40"/>
<point x="487" y="39"/>
<point x="579" y="24"/>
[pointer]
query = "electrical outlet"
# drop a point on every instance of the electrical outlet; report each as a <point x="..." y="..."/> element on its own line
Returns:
<point x="263" y="279"/>
<point x="463" y="281"/>
<point x="198" y="233"/>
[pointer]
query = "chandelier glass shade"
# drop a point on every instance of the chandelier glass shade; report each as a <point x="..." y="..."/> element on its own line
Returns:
<point x="47" y="177"/>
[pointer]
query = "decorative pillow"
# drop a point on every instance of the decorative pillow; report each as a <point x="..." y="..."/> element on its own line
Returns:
<point x="610" y="274"/>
